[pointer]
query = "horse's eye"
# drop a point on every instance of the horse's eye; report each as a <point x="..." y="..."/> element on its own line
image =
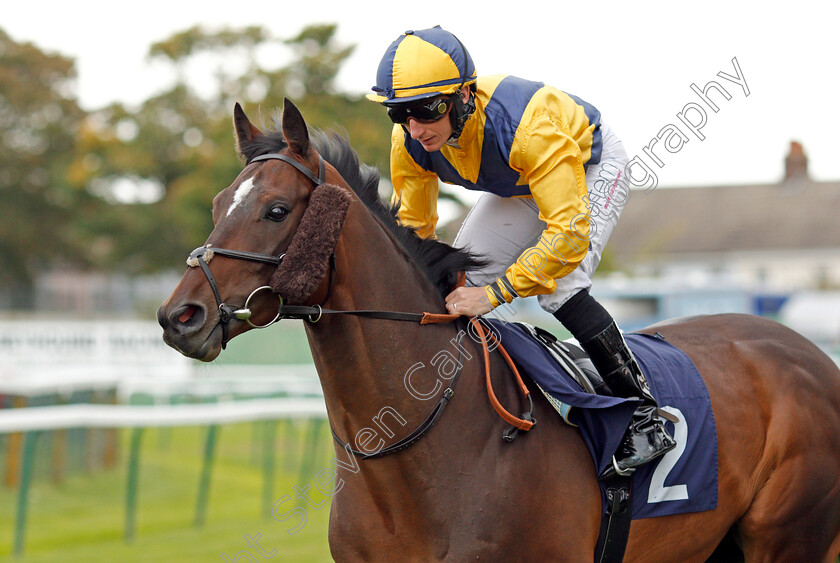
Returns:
<point x="277" y="213"/>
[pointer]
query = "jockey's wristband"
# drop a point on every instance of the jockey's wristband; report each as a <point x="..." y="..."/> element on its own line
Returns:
<point x="501" y="291"/>
<point x="505" y="285"/>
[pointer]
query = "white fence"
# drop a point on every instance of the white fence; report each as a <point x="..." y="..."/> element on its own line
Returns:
<point x="39" y="357"/>
<point x="62" y="356"/>
<point x="122" y="416"/>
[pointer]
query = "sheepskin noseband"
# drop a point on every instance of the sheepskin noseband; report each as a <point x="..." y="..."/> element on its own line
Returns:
<point x="307" y="258"/>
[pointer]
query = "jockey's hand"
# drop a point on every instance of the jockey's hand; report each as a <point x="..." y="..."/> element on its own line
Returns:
<point x="469" y="301"/>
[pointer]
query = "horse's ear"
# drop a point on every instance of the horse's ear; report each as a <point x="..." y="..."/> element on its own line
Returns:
<point x="294" y="129"/>
<point x="245" y="131"/>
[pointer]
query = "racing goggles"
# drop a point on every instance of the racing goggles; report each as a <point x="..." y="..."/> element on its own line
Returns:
<point x="427" y="112"/>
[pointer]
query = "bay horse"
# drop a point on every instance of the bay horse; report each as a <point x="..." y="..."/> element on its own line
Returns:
<point x="462" y="493"/>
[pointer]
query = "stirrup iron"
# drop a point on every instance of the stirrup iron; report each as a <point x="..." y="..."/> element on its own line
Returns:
<point x="618" y="471"/>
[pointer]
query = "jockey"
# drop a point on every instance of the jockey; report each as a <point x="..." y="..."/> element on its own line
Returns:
<point x="552" y="176"/>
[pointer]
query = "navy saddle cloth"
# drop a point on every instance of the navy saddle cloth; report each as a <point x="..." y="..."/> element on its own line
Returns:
<point x="683" y="480"/>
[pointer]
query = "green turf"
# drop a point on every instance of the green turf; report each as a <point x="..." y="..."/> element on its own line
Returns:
<point x="83" y="518"/>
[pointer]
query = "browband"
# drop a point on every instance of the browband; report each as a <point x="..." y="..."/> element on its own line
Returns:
<point x="301" y="168"/>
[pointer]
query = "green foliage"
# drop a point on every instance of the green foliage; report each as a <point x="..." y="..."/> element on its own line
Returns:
<point x="131" y="188"/>
<point x="196" y="39"/>
<point x="39" y="120"/>
<point x="318" y="59"/>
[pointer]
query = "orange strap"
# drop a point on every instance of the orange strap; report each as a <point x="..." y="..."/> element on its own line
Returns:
<point x="506" y="416"/>
<point x="432" y="318"/>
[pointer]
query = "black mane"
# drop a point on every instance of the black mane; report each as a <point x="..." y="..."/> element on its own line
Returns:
<point x="440" y="262"/>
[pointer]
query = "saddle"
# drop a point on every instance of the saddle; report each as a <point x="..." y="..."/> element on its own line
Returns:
<point x="686" y="482"/>
<point x="573" y="360"/>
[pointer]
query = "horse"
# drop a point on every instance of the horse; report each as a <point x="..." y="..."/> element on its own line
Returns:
<point x="461" y="492"/>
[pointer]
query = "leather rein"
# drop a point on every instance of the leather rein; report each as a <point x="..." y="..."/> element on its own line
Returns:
<point x="313" y="313"/>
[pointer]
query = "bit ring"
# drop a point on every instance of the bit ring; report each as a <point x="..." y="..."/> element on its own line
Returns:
<point x="247" y="307"/>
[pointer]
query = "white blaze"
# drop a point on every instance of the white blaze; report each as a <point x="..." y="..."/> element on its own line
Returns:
<point x="241" y="193"/>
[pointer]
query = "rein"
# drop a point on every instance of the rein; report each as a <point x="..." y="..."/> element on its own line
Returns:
<point x="509" y="435"/>
<point x="201" y="256"/>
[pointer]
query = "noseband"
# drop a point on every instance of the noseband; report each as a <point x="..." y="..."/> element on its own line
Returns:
<point x="203" y="254"/>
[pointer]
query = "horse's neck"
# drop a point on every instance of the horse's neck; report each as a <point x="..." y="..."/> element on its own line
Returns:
<point x="382" y="378"/>
<point x="362" y="362"/>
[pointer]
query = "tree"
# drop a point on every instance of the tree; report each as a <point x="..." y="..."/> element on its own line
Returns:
<point x="181" y="140"/>
<point x="318" y="60"/>
<point x="130" y="189"/>
<point x="39" y="118"/>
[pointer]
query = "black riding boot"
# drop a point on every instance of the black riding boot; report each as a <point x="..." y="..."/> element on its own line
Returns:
<point x="646" y="437"/>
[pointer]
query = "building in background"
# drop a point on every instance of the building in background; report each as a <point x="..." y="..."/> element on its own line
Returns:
<point x="778" y="237"/>
<point x="768" y="249"/>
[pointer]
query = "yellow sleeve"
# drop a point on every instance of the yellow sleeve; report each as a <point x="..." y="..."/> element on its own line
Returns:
<point x="550" y="161"/>
<point x="416" y="189"/>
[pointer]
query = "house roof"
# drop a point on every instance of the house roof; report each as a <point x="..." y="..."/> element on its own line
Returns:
<point x="795" y="214"/>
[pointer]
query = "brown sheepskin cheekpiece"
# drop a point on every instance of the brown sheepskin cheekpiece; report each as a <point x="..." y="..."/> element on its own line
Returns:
<point x="307" y="258"/>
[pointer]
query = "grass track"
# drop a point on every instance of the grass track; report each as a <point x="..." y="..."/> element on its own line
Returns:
<point x="82" y="518"/>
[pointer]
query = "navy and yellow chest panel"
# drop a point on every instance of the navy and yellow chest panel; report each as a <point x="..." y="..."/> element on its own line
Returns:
<point x="503" y="114"/>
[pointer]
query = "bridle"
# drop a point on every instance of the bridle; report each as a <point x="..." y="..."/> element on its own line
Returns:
<point x="203" y="254"/>
<point x="312" y="313"/>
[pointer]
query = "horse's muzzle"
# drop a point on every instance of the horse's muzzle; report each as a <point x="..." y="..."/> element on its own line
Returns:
<point x="185" y="329"/>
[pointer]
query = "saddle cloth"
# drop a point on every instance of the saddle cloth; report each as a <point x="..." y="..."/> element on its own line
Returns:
<point x="683" y="480"/>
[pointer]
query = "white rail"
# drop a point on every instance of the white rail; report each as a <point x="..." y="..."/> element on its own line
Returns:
<point x="124" y="416"/>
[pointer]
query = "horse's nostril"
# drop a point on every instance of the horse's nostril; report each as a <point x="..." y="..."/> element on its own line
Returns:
<point x="187" y="314"/>
<point x="187" y="318"/>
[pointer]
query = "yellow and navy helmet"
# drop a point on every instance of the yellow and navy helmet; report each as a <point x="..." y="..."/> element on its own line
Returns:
<point x="422" y="64"/>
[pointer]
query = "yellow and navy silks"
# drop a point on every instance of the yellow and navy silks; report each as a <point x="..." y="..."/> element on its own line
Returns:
<point x="525" y="139"/>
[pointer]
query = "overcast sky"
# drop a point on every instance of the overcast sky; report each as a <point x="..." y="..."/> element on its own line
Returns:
<point x="635" y="61"/>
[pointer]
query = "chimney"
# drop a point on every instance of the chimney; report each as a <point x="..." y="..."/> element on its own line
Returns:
<point x="796" y="163"/>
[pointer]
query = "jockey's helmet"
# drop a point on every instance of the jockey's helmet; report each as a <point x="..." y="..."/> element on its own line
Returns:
<point x="422" y="65"/>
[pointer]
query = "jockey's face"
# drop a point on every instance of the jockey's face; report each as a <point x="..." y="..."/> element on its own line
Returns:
<point x="431" y="135"/>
